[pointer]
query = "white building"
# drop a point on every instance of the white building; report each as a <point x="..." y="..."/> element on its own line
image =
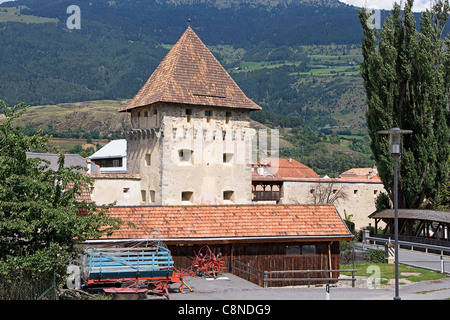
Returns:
<point x="112" y="158"/>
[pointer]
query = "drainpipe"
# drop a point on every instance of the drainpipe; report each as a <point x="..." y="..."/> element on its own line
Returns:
<point x="329" y="258"/>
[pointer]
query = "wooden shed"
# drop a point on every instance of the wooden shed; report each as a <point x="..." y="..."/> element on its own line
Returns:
<point x="261" y="237"/>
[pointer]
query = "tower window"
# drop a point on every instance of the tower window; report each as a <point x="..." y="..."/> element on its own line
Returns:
<point x="227" y="117"/>
<point x="185" y="155"/>
<point x="143" y="196"/>
<point x="148" y="159"/>
<point x="187" y="196"/>
<point x="208" y="115"/>
<point x="152" y="196"/>
<point x="228" y="195"/>
<point x="188" y="115"/>
<point x="227" y="157"/>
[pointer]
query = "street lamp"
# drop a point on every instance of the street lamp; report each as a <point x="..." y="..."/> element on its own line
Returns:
<point x="395" y="143"/>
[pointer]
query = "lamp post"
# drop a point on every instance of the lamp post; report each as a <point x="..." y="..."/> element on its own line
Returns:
<point x="395" y="143"/>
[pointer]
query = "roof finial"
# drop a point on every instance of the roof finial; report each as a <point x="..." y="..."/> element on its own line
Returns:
<point x="189" y="22"/>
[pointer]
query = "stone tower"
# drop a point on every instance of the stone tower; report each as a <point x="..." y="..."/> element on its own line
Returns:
<point x="191" y="140"/>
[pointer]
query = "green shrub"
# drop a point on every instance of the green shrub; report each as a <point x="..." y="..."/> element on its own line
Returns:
<point x="376" y="256"/>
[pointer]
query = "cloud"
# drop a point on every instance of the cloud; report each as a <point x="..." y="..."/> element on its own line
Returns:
<point x="1" y="1"/>
<point x="420" y="5"/>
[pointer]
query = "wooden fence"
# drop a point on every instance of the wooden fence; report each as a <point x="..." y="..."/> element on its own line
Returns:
<point x="263" y="278"/>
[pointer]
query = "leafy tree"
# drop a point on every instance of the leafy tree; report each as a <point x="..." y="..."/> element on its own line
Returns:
<point x="42" y="219"/>
<point x="406" y="77"/>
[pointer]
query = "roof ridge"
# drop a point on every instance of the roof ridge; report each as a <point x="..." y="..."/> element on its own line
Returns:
<point x="177" y="57"/>
<point x="191" y="74"/>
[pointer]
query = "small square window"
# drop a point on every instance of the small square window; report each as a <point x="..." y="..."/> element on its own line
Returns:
<point x="116" y="163"/>
<point x="355" y="192"/>
<point x="145" y="114"/>
<point x="125" y="190"/>
<point x="227" y="157"/>
<point x="185" y="155"/>
<point x="228" y="195"/>
<point x="187" y="196"/>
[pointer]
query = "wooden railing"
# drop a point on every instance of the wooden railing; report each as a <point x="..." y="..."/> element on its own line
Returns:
<point x="264" y="276"/>
<point x="267" y="195"/>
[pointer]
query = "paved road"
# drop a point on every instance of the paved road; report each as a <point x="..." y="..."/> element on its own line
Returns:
<point x="420" y="259"/>
<point x="230" y="287"/>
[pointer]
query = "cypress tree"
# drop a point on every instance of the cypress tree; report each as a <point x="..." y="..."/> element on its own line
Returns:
<point x="406" y="76"/>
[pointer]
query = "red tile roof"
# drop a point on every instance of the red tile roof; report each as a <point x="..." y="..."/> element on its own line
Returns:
<point x="231" y="222"/>
<point x="190" y="74"/>
<point x="361" y="174"/>
<point x="282" y="169"/>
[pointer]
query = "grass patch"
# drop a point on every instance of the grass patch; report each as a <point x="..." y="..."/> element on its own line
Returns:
<point x="387" y="271"/>
<point x="14" y="15"/>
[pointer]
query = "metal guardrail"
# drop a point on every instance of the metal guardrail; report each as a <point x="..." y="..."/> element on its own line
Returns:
<point x="265" y="274"/>
<point x="410" y="244"/>
<point x="413" y="245"/>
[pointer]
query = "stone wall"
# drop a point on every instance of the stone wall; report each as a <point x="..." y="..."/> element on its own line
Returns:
<point x="191" y="154"/>
<point x="358" y="205"/>
<point x="124" y="189"/>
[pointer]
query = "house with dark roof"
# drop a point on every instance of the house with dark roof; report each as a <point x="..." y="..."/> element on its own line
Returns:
<point x="111" y="158"/>
<point x="69" y="160"/>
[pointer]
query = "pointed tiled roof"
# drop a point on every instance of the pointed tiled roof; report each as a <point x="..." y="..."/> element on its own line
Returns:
<point x="190" y="74"/>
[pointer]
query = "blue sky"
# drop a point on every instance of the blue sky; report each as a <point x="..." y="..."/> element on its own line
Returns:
<point x="419" y="5"/>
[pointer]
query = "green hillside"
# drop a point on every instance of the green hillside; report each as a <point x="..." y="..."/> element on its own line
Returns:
<point x="298" y="59"/>
<point x="82" y="127"/>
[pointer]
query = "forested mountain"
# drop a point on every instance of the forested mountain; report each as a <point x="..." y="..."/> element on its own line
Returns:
<point x="298" y="59"/>
<point x="120" y="42"/>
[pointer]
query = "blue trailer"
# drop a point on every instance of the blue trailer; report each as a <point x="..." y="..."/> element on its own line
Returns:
<point x="143" y="265"/>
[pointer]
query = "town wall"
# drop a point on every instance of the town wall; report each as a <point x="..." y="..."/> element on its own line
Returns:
<point x="358" y="205"/>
